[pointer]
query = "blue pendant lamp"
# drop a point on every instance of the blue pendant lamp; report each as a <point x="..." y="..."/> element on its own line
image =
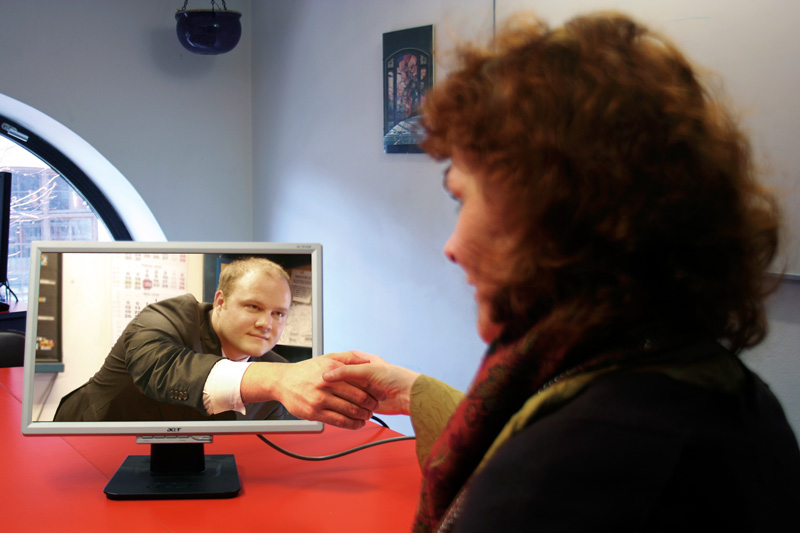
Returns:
<point x="208" y="31"/>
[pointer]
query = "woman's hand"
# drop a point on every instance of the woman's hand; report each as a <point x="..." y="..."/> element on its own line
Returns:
<point x="393" y="382"/>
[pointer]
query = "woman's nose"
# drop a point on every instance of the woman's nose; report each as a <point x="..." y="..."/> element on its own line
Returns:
<point x="449" y="250"/>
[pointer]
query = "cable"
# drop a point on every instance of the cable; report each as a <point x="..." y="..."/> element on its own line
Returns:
<point x="379" y="421"/>
<point x="8" y="289"/>
<point x="335" y="455"/>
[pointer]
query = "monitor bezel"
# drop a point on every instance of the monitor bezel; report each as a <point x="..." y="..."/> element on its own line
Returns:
<point x="168" y="428"/>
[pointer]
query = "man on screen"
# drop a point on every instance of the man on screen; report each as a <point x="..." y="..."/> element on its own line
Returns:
<point x="181" y="359"/>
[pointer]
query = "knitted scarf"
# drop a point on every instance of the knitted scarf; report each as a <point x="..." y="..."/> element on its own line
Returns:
<point x="508" y="376"/>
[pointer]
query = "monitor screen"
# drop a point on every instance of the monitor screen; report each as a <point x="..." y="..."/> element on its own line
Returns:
<point x="90" y="300"/>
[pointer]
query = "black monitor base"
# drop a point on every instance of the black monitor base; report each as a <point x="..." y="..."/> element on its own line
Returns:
<point x="175" y="472"/>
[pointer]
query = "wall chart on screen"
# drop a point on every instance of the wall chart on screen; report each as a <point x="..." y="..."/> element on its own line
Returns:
<point x="105" y="317"/>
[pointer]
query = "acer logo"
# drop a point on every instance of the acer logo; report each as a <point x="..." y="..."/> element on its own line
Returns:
<point x="173" y="430"/>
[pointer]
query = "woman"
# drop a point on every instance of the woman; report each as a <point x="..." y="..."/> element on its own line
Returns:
<point x="617" y="241"/>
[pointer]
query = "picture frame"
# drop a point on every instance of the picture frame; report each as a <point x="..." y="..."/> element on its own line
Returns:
<point x="407" y="76"/>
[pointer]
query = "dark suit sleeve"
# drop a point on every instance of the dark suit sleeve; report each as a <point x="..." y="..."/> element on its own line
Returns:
<point x="162" y="353"/>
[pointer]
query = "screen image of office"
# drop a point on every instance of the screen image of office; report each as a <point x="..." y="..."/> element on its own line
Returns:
<point x="85" y="301"/>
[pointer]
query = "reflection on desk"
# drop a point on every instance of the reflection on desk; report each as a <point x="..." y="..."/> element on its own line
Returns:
<point x="56" y="483"/>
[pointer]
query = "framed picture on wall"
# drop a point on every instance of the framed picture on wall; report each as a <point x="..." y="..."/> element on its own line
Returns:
<point x="407" y="75"/>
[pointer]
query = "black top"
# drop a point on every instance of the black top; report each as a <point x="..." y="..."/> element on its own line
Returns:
<point x="645" y="452"/>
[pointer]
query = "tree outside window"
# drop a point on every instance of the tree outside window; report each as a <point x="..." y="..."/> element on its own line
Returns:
<point x="45" y="207"/>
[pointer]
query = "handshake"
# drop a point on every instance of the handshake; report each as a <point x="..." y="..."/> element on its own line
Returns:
<point x="341" y="389"/>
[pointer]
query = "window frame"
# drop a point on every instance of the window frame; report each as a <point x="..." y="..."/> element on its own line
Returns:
<point x="126" y="200"/>
<point x="72" y="173"/>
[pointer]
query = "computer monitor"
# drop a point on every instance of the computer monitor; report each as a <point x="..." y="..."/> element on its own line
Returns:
<point x="82" y="297"/>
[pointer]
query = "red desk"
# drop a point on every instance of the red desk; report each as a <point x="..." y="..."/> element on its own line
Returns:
<point x="56" y="483"/>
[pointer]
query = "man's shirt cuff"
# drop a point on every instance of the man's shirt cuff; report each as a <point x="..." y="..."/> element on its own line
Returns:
<point x="223" y="388"/>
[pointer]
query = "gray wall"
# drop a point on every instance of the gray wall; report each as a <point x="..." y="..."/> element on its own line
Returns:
<point x="281" y="140"/>
<point x="176" y="124"/>
<point x="320" y="175"/>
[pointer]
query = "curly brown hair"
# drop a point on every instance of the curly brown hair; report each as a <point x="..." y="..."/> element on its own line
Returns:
<point x="628" y="183"/>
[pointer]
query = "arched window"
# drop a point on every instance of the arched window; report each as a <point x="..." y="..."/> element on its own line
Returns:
<point x="56" y="193"/>
<point x="44" y="207"/>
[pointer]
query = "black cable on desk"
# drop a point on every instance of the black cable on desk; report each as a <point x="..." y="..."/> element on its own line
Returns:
<point x="379" y="421"/>
<point x="335" y="455"/>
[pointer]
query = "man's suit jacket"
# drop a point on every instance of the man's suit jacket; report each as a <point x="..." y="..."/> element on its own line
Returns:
<point x="157" y="370"/>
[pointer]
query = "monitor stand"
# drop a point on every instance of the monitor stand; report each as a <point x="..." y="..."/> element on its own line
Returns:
<point x="175" y="471"/>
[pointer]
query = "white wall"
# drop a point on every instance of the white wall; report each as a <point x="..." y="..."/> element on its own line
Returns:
<point x="176" y="124"/>
<point x="320" y="175"/>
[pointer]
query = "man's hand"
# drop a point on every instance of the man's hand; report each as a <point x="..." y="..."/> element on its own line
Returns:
<point x="304" y="393"/>
<point x="390" y="384"/>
